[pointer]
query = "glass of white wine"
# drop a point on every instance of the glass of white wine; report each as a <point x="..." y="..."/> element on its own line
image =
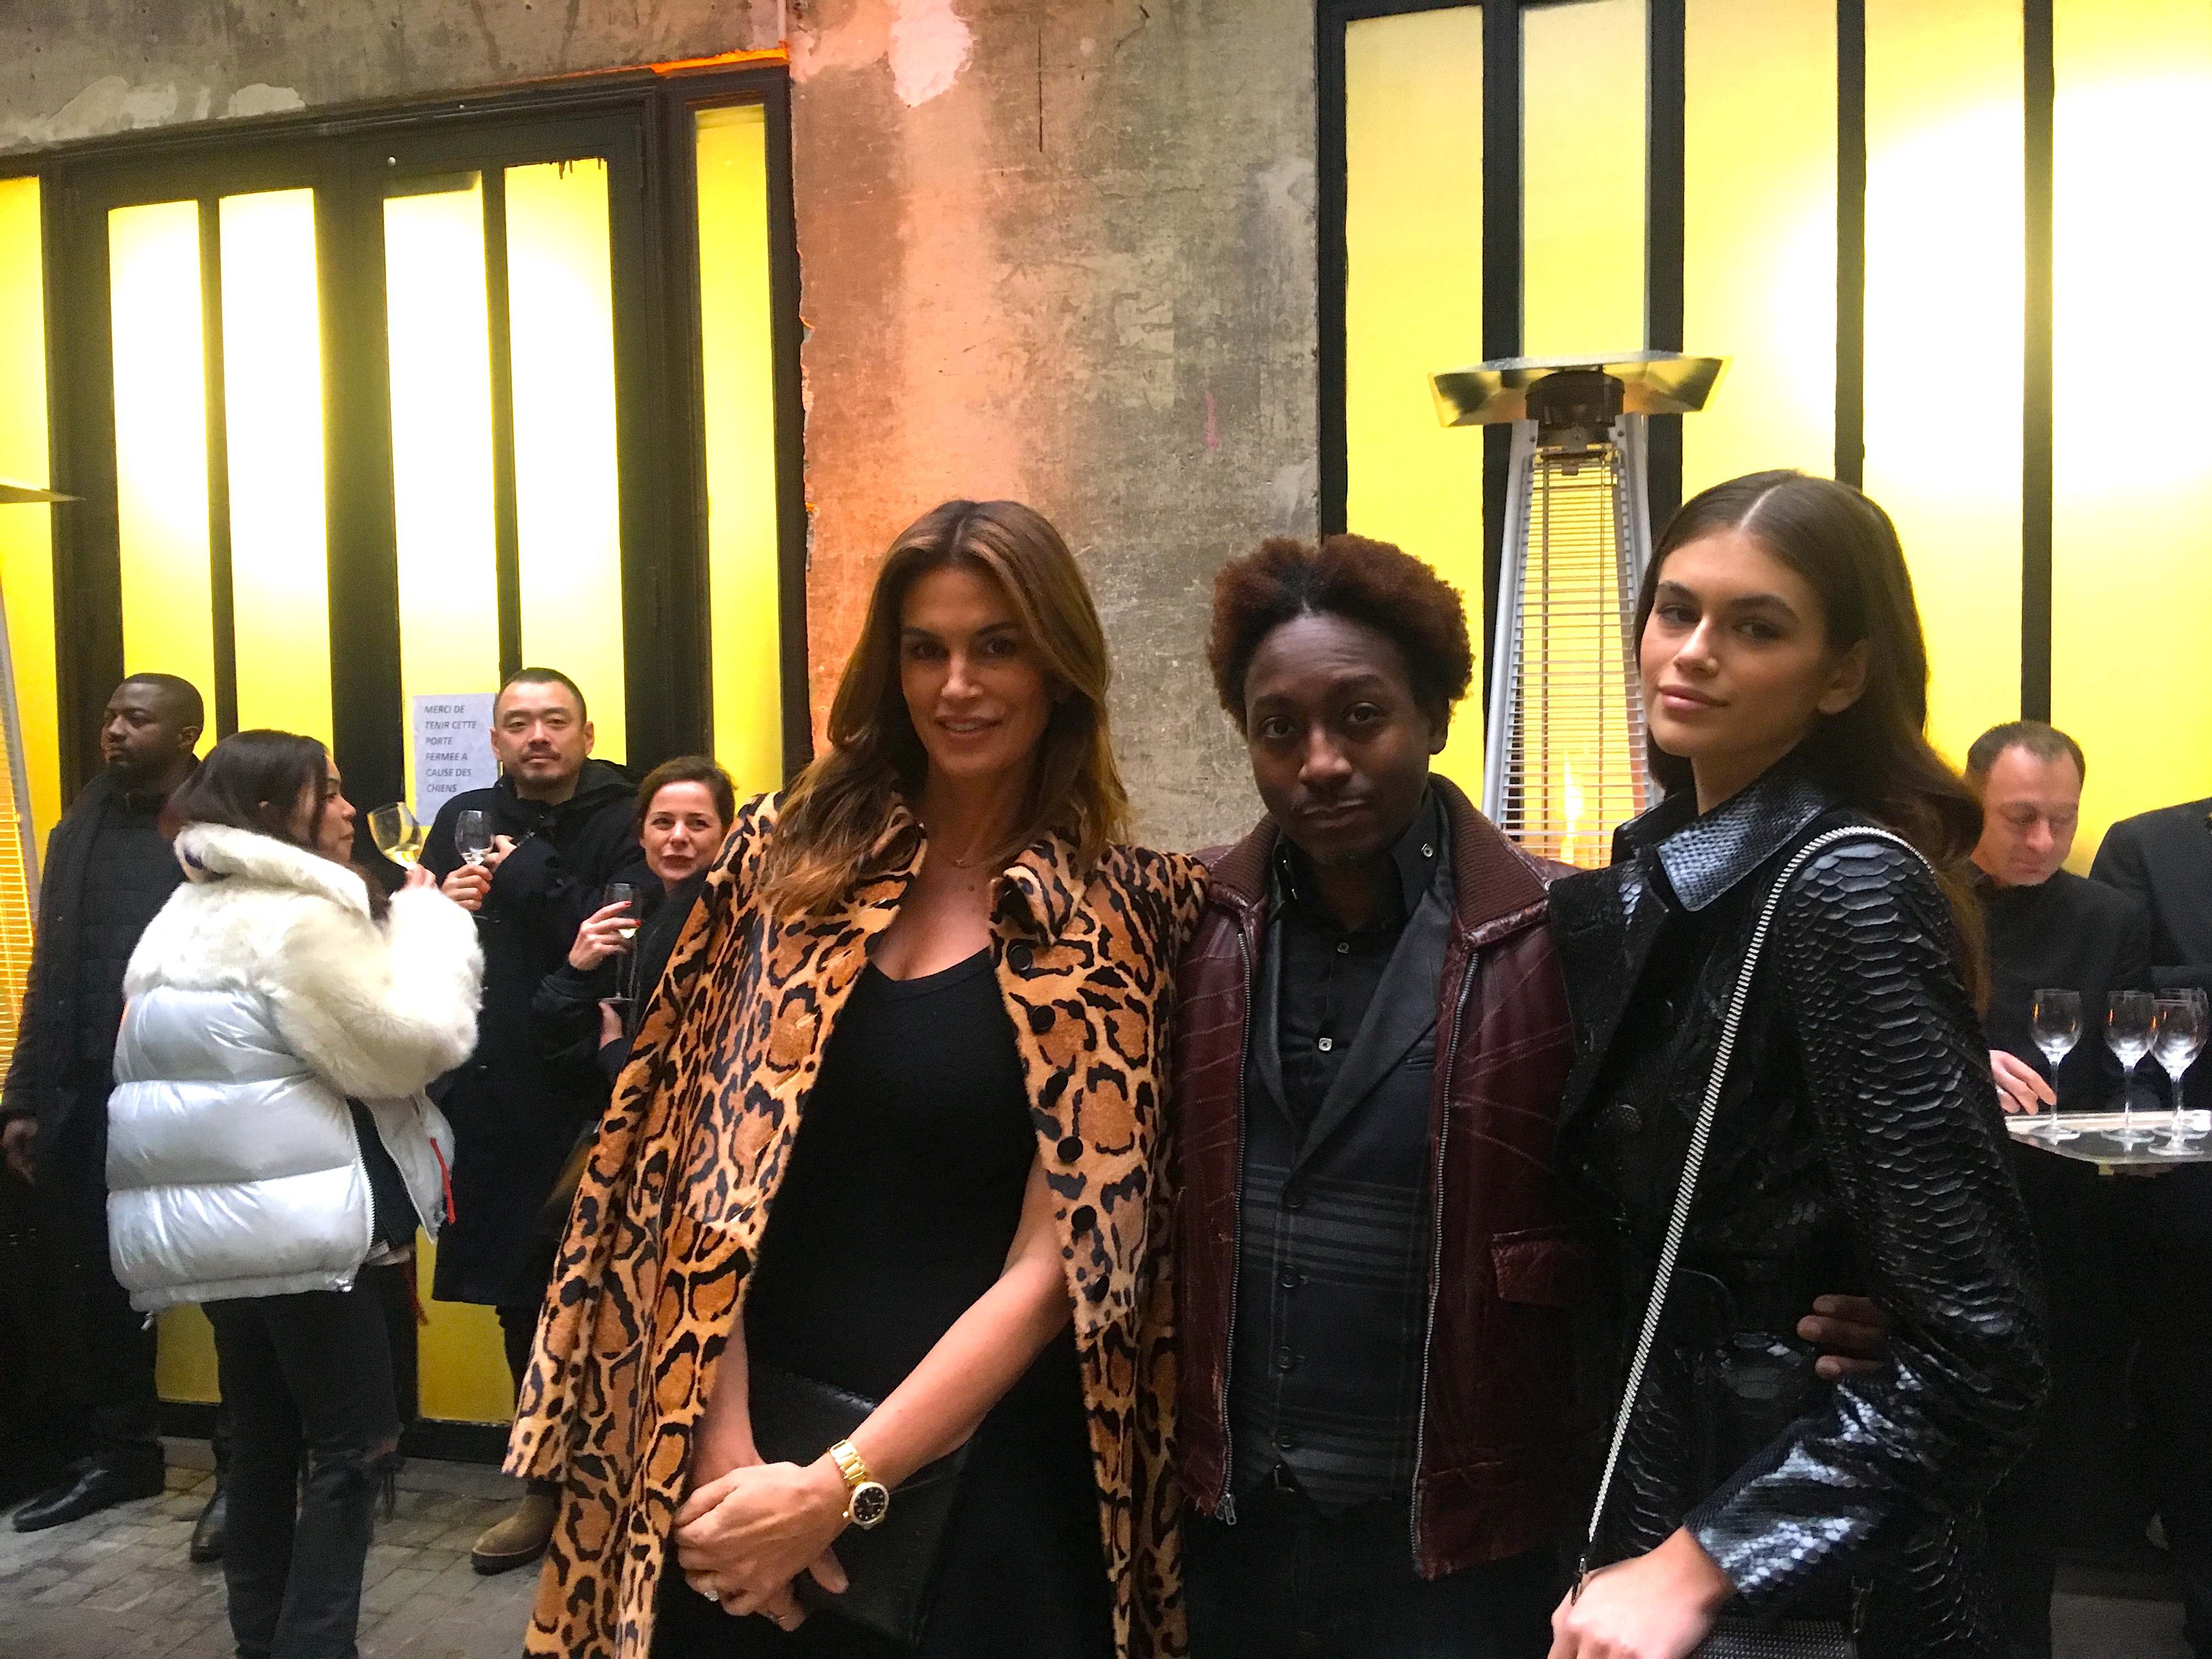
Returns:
<point x="622" y="893"/>
<point x="399" y="834"/>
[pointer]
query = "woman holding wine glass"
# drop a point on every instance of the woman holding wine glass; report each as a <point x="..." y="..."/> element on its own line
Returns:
<point x="587" y="1009"/>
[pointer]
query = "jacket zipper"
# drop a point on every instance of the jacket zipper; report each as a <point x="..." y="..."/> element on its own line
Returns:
<point x="1224" y="1504"/>
<point x="1449" y="1058"/>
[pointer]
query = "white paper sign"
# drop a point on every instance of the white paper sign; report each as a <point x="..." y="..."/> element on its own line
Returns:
<point x="451" y="734"/>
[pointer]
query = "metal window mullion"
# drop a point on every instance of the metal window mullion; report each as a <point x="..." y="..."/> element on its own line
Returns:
<point x="221" y="594"/>
<point x="507" y="546"/>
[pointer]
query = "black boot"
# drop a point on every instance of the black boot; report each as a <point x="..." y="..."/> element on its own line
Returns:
<point x="92" y="1487"/>
<point x="207" y="1532"/>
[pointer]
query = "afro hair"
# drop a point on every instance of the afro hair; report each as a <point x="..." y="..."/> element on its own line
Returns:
<point x="1370" y="582"/>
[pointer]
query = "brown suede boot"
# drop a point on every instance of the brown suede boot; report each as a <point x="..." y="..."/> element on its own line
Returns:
<point x="520" y="1539"/>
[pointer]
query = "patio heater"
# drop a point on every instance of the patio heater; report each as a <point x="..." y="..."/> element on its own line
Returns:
<point x="1563" y="762"/>
<point x="19" y="853"/>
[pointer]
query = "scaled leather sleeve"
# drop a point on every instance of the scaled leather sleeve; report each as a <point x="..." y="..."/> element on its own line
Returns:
<point x="1909" y="1128"/>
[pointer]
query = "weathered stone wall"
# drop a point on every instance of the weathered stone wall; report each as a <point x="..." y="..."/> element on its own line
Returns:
<point x="1062" y="250"/>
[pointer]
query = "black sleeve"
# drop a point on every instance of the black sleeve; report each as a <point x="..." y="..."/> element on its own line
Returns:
<point x="612" y="1058"/>
<point x="2131" y="957"/>
<point x="440" y="857"/>
<point x="39" y="1050"/>
<point x="2120" y="863"/>
<point x="1909" y="1129"/>
<point x="551" y="894"/>
<point x="565" y="1014"/>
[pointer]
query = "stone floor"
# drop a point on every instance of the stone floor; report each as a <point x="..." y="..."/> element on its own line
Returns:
<point x="118" y="1586"/>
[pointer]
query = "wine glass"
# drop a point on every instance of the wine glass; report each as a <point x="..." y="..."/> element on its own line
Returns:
<point x="472" y="837"/>
<point x="622" y="893"/>
<point x="2055" y="1022"/>
<point x="397" y="834"/>
<point x="2177" y="1031"/>
<point x="2128" y="1021"/>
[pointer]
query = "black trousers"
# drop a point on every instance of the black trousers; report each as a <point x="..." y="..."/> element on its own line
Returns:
<point x="2164" y="1228"/>
<point x="1287" y="1582"/>
<point x="303" y="1376"/>
<point x="115" y="1385"/>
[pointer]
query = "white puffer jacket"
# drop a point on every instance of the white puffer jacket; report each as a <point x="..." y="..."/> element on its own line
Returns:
<point x="262" y="996"/>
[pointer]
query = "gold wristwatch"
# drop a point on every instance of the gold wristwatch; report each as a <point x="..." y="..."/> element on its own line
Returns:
<point x="868" y="1500"/>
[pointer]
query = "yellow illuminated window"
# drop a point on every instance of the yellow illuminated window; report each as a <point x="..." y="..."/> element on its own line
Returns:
<point x="1758" y="269"/>
<point x="160" y="442"/>
<point x="273" y="424"/>
<point x="27" y="555"/>
<point x="1412" y="228"/>
<point x="1581" y="198"/>
<point x="1944" y="273"/>
<point x="437" y="321"/>
<point x="2131" y="602"/>
<point x="568" y="509"/>
<point x="741" y="478"/>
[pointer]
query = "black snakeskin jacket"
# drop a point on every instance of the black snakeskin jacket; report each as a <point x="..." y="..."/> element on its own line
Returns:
<point x="1858" y="1147"/>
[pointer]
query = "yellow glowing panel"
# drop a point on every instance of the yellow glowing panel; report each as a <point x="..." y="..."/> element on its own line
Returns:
<point x="461" y="1360"/>
<point x="561" y="322"/>
<point x="1581" y="198"/>
<point x="27" y="557"/>
<point x="441" y="452"/>
<point x="1759" y="268"/>
<point x="2131" y="605"/>
<point x="273" y="417"/>
<point x="1944" y="308"/>
<point x="160" y="442"/>
<point x="1413" y="232"/>
<point x="741" y="485"/>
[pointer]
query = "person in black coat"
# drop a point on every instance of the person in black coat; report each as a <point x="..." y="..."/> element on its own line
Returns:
<point x="2163" y="858"/>
<point x="563" y="827"/>
<point x="1855" y="1135"/>
<point x="108" y="869"/>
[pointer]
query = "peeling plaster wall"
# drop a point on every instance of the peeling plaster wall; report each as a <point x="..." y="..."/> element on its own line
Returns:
<point x="1062" y="250"/>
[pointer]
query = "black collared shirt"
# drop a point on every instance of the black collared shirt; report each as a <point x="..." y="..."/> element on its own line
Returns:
<point x="1333" y="1226"/>
<point x="1330" y="973"/>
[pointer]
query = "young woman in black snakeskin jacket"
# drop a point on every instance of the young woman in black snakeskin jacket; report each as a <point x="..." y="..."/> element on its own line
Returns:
<point x="1858" y="1143"/>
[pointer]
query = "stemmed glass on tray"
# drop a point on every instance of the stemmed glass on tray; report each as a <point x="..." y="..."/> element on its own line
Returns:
<point x="2129" y="1018"/>
<point x="2055" y="1022"/>
<point x="2177" y="1031"/>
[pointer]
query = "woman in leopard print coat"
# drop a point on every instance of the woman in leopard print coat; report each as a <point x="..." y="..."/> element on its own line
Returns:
<point x="971" y="719"/>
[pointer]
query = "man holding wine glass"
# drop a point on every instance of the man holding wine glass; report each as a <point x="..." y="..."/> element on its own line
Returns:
<point x="531" y="856"/>
<point x="2059" y="947"/>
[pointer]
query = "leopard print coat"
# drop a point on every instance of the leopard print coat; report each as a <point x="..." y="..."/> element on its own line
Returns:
<point x="652" y="1274"/>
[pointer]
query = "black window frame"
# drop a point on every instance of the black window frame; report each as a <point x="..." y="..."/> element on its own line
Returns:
<point x="641" y="122"/>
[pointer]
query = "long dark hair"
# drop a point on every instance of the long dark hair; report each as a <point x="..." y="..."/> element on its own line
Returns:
<point x="838" y="808"/>
<point x="253" y="780"/>
<point x="1876" y="753"/>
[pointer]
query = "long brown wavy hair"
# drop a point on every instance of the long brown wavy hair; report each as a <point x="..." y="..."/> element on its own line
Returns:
<point x="1876" y="753"/>
<point x="836" y="811"/>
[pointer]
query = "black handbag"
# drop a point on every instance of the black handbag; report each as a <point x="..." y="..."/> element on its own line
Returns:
<point x="892" y="1566"/>
<point x="1732" y="1637"/>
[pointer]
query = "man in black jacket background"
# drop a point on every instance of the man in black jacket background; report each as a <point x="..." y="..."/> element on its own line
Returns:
<point x="108" y="869"/>
<point x="2049" y="928"/>
<point x="563" y="827"/>
<point x="2163" y="859"/>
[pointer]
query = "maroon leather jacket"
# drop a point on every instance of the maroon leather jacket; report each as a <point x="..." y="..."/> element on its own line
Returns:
<point x="1500" y="1452"/>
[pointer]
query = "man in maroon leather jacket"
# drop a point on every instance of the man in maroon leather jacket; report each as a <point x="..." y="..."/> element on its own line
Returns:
<point x="1379" y="1437"/>
<point x="1341" y="715"/>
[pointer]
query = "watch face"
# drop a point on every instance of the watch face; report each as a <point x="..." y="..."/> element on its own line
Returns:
<point x="870" y="1503"/>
